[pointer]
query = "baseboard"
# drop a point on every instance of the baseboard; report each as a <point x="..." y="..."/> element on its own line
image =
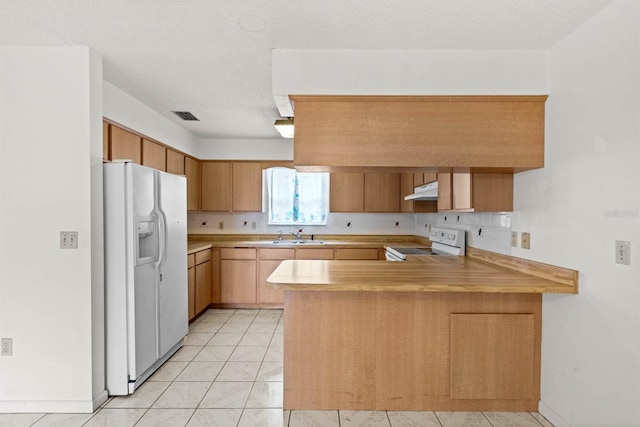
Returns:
<point x="553" y="417"/>
<point x="99" y="400"/>
<point x="48" y="406"/>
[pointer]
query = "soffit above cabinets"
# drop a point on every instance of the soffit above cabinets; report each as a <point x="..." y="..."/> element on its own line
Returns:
<point x="499" y="134"/>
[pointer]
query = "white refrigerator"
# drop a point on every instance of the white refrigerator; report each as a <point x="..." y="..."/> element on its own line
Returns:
<point x="145" y="224"/>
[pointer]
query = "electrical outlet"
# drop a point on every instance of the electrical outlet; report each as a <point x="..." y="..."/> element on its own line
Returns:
<point x="68" y="240"/>
<point x="623" y="252"/>
<point x="221" y="225"/>
<point x="6" y="347"/>
<point x="514" y="239"/>
<point x="525" y="241"/>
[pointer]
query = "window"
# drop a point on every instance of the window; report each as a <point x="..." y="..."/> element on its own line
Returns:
<point x="297" y="198"/>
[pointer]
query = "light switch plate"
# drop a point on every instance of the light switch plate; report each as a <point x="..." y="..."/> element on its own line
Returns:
<point x="525" y="242"/>
<point x="6" y="348"/>
<point x="68" y="240"/>
<point x="623" y="252"/>
<point x="514" y="239"/>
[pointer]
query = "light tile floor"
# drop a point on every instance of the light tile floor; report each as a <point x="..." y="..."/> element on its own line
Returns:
<point x="229" y="373"/>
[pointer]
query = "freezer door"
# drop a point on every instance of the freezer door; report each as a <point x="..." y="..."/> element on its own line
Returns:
<point x="172" y="266"/>
<point x="143" y="297"/>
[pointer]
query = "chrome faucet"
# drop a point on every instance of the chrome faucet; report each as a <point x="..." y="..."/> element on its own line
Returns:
<point x="297" y="235"/>
<point x="279" y="234"/>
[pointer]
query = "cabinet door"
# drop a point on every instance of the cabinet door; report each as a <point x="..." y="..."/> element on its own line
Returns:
<point x="356" y="253"/>
<point x="314" y="253"/>
<point x="492" y="192"/>
<point x="238" y="281"/>
<point x="154" y="155"/>
<point x="445" y="202"/>
<point x="203" y="286"/>
<point x="191" y="292"/>
<point x="216" y="186"/>
<point x="266" y="293"/>
<point x="105" y="141"/>
<point x="247" y="187"/>
<point x="461" y="190"/>
<point x="125" y="145"/>
<point x="346" y="192"/>
<point x="406" y="188"/>
<point x="192" y="172"/>
<point x="382" y="192"/>
<point x="175" y="162"/>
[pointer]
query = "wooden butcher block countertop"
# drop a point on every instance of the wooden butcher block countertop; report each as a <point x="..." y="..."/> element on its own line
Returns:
<point x="479" y="271"/>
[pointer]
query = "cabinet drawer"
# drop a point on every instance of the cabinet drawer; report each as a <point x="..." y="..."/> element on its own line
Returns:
<point x="357" y="253"/>
<point x="203" y="256"/>
<point x="313" y="253"/>
<point x="238" y="253"/>
<point x="191" y="260"/>
<point x="277" y="253"/>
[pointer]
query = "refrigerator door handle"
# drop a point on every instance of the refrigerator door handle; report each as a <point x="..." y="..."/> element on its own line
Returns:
<point x="162" y="238"/>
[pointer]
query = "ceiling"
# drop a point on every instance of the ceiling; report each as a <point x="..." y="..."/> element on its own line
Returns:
<point x="213" y="58"/>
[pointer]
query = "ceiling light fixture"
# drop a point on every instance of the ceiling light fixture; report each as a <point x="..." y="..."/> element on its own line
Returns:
<point x="285" y="127"/>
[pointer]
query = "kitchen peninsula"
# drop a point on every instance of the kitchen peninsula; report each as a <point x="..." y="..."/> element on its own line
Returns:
<point x="435" y="333"/>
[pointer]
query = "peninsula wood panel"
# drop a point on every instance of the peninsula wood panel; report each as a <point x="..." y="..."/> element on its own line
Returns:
<point x="192" y="172"/>
<point x="175" y="162"/>
<point x="346" y="192"/>
<point x="216" y="186"/>
<point x="402" y="345"/>
<point x="493" y="356"/>
<point x="154" y="155"/>
<point x="343" y="365"/>
<point x="382" y="192"/>
<point x="125" y="145"/>
<point x="247" y="187"/>
<point x="491" y="132"/>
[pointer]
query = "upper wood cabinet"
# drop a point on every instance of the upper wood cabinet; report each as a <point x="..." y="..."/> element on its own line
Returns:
<point x="247" y="187"/>
<point x="125" y="145"/>
<point x="346" y="192"/>
<point x="105" y="141"/>
<point x="154" y="155"/>
<point x="175" y="162"/>
<point x="382" y="192"/>
<point x="192" y="172"/>
<point x="467" y="192"/>
<point x="216" y="186"/>
<point x="484" y="133"/>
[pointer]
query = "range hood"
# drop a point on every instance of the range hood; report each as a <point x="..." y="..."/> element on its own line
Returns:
<point x="424" y="192"/>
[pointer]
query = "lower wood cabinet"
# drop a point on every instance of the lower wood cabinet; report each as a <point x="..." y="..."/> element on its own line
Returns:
<point x="314" y="253"/>
<point x="356" y="253"/>
<point x="270" y="259"/>
<point x="199" y="276"/>
<point x="238" y="275"/>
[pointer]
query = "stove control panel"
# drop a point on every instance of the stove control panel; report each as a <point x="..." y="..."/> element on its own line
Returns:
<point x="448" y="236"/>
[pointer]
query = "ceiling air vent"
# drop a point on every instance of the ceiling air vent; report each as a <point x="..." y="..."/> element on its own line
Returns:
<point x="186" y="115"/>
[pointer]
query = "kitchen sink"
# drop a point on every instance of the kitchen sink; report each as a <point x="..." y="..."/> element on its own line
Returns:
<point x="298" y="242"/>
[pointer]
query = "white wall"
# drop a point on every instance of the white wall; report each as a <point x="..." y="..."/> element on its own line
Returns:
<point x="51" y="180"/>
<point x="406" y="72"/>
<point x="586" y="197"/>
<point x="124" y="109"/>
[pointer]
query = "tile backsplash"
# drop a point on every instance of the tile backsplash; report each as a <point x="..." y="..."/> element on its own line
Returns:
<point x="488" y="231"/>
